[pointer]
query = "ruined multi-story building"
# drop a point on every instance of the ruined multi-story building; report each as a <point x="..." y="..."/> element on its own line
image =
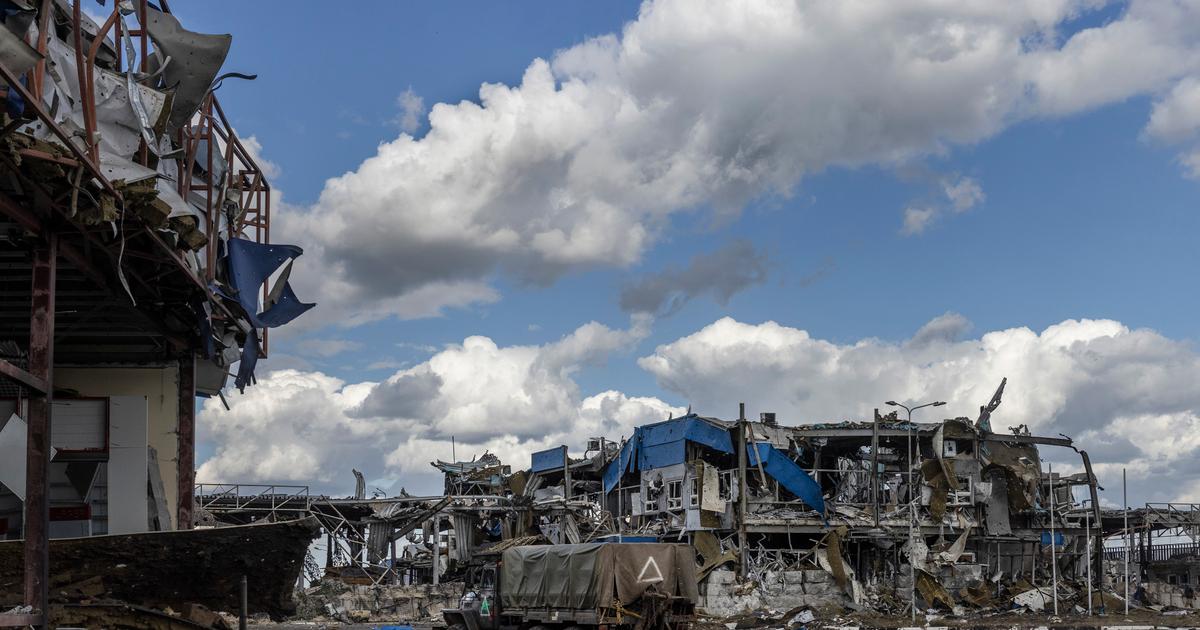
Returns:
<point x="134" y="257"/>
<point x="957" y="506"/>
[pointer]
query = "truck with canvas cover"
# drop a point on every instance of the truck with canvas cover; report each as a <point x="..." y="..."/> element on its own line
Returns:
<point x="640" y="586"/>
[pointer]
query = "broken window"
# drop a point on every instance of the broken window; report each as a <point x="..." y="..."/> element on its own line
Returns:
<point x="693" y="492"/>
<point x="725" y="485"/>
<point x="675" y="494"/>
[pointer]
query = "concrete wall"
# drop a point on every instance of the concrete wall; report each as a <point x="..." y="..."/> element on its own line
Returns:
<point x="722" y="596"/>
<point x="160" y="387"/>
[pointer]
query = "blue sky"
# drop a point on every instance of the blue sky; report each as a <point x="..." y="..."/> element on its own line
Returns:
<point x="1085" y="212"/>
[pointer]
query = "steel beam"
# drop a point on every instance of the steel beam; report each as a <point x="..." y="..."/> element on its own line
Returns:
<point x="33" y="383"/>
<point x="185" y="462"/>
<point x="37" y="453"/>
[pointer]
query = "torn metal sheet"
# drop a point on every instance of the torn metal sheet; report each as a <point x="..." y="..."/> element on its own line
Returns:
<point x="250" y="264"/>
<point x="1034" y="599"/>
<point x="932" y="590"/>
<point x="196" y="58"/>
<point x="245" y="374"/>
<point x="789" y="475"/>
<point x="134" y="91"/>
<point x="951" y="555"/>
<point x="12" y="455"/>
<point x="117" y="113"/>
<point x="19" y="16"/>
<point x="116" y="169"/>
<point x="917" y="552"/>
<point x="15" y="54"/>
<point x="107" y="54"/>
<point x="997" y="506"/>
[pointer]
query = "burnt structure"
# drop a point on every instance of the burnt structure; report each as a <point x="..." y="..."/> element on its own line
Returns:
<point x="134" y="257"/>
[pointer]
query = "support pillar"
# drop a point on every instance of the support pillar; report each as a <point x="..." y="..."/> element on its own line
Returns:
<point x="185" y="461"/>
<point x="37" y="453"/>
<point x="743" y="543"/>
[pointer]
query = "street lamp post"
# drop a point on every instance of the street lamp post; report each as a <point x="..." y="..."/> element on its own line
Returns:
<point x="912" y="501"/>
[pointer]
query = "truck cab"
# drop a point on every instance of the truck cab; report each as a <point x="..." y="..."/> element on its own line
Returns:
<point x="478" y="608"/>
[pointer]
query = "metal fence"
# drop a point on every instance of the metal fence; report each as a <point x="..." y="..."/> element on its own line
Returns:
<point x="1158" y="553"/>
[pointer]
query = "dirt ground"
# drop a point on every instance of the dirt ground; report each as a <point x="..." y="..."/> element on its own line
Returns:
<point x="837" y="619"/>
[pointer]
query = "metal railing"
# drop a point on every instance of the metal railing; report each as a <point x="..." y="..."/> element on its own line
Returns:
<point x="1157" y="552"/>
<point x="239" y="497"/>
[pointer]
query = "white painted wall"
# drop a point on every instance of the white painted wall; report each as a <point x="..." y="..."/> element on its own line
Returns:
<point x="160" y="388"/>
<point x="128" y="465"/>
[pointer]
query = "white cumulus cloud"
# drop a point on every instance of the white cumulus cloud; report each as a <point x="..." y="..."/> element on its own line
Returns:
<point x="1097" y="380"/>
<point x="1128" y="396"/>
<point x="582" y="163"/>
<point x="304" y="426"/>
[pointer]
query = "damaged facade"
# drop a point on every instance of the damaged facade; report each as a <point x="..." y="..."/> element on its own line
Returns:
<point x="136" y="251"/>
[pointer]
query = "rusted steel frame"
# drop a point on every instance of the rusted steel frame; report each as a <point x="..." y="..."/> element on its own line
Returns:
<point x="223" y="189"/>
<point x="37" y="451"/>
<point x="81" y="155"/>
<point x="39" y="70"/>
<point x="42" y="155"/>
<point x="33" y="223"/>
<point x="89" y="95"/>
<point x="266" y="238"/>
<point x="186" y="458"/>
<point x="34" y="383"/>
<point x="145" y="37"/>
<point x="232" y="137"/>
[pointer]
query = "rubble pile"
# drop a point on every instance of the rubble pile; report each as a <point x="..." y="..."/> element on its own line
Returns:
<point x="335" y="601"/>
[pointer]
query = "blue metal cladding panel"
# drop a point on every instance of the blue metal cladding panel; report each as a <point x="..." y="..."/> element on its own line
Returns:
<point x="789" y="475"/>
<point x="665" y="444"/>
<point x="549" y="459"/>
<point x="618" y="466"/>
<point x="690" y="428"/>
<point x="661" y="455"/>
<point x="714" y="437"/>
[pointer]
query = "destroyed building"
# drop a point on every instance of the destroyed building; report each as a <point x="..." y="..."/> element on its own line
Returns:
<point x="846" y="512"/>
<point x="136" y="252"/>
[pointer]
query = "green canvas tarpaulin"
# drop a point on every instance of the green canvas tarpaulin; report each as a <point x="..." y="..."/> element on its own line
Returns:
<point x="594" y="575"/>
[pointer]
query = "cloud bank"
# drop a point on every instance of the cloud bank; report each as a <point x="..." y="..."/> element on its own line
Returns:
<point x="721" y="274"/>
<point x="1128" y="396"/>
<point x="585" y="161"/>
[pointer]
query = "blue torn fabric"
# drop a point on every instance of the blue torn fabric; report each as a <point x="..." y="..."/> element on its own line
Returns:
<point x="249" y="359"/>
<point x="250" y="265"/>
<point x="789" y="474"/>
